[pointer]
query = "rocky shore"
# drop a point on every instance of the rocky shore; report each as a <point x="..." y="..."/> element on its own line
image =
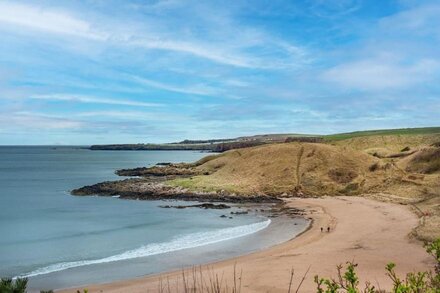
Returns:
<point x="160" y="171"/>
<point x="151" y="188"/>
<point x="154" y="188"/>
<point x="213" y="206"/>
<point x="151" y="185"/>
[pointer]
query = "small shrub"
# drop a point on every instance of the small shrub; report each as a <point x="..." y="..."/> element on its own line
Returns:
<point x="350" y="188"/>
<point x="13" y="286"/>
<point x="347" y="281"/>
<point x="374" y="167"/>
<point x="341" y="175"/>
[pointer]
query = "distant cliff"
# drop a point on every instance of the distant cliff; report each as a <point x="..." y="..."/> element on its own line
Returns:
<point x="209" y="147"/>
<point x="214" y="145"/>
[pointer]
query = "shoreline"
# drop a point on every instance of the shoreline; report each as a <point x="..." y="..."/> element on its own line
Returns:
<point x="284" y="224"/>
<point x="365" y="226"/>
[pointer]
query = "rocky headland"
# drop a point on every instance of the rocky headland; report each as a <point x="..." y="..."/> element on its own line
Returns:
<point x="393" y="168"/>
<point x="153" y="189"/>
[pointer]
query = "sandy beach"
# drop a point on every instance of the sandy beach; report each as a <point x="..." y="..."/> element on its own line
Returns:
<point x="368" y="232"/>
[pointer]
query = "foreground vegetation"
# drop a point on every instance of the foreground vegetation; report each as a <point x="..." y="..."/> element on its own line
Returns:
<point x="347" y="281"/>
<point x="417" y="282"/>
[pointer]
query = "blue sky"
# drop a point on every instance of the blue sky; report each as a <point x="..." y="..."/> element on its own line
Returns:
<point x="86" y="72"/>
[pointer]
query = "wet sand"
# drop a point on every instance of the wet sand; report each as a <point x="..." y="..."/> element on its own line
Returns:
<point x="367" y="232"/>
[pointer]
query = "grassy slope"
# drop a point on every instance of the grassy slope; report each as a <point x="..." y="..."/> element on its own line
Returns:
<point x="280" y="168"/>
<point x="383" y="132"/>
<point x="321" y="169"/>
<point x="339" y="166"/>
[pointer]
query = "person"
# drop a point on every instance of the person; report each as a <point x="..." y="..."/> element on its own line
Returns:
<point x="322" y="229"/>
<point x="328" y="229"/>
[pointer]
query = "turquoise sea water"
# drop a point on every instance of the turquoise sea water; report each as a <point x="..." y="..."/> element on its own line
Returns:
<point x="59" y="240"/>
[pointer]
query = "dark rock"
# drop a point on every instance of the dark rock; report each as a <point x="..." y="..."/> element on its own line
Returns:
<point x="239" y="213"/>
<point x="405" y="149"/>
<point x="169" y="170"/>
<point x="202" y="206"/>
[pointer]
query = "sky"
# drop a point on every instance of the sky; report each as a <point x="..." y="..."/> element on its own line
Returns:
<point x="131" y="71"/>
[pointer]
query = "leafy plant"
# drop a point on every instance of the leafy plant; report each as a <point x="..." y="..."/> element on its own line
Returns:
<point x="347" y="281"/>
<point x="13" y="286"/>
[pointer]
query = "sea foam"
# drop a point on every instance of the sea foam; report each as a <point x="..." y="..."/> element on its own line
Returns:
<point x="184" y="242"/>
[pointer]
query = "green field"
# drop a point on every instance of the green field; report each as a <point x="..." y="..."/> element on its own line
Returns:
<point x="400" y="131"/>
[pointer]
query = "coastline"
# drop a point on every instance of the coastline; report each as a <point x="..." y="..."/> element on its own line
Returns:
<point x="358" y="226"/>
<point x="276" y="225"/>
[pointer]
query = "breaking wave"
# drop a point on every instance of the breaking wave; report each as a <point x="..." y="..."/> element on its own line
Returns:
<point x="184" y="242"/>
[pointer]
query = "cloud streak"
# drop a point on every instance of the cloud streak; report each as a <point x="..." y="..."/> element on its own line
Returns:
<point x="200" y="89"/>
<point x="27" y="121"/>
<point x="58" y="22"/>
<point x="94" y="100"/>
<point x="382" y="74"/>
<point x="52" y="21"/>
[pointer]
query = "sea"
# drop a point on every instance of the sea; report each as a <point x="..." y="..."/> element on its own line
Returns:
<point x="59" y="241"/>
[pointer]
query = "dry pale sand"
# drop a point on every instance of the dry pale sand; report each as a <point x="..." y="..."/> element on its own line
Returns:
<point x="367" y="232"/>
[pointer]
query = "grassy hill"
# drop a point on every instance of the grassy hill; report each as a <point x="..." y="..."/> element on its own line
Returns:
<point x="399" y="165"/>
<point x="317" y="169"/>
<point x="383" y="132"/>
<point x="282" y="168"/>
<point x="396" y="165"/>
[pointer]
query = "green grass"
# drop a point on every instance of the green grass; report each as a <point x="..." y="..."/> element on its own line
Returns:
<point x="188" y="183"/>
<point x="199" y="184"/>
<point x="400" y="131"/>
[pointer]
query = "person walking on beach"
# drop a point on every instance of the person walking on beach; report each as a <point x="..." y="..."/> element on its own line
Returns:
<point x="328" y="229"/>
<point x="322" y="229"/>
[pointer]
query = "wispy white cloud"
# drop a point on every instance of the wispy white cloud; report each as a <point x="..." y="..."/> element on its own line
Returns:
<point x="227" y="50"/>
<point x="334" y="8"/>
<point x="198" y="89"/>
<point x="30" y="120"/>
<point x="377" y="74"/>
<point x="47" y="20"/>
<point x="398" y="53"/>
<point x="130" y="115"/>
<point x="94" y="100"/>
<point x="420" y="20"/>
<point x="196" y="49"/>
